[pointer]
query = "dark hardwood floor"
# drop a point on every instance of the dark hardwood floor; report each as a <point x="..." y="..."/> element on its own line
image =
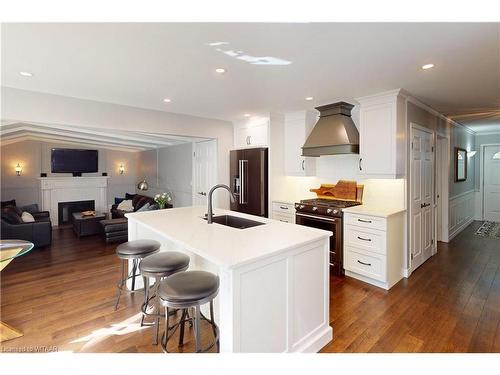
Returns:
<point x="63" y="296"/>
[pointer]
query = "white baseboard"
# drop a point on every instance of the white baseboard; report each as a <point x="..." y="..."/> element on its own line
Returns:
<point x="457" y="230"/>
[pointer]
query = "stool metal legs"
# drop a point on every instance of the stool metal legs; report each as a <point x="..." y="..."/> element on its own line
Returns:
<point x="124" y="279"/>
<point x="196" y="320"/>
<point x="156" y="313"/>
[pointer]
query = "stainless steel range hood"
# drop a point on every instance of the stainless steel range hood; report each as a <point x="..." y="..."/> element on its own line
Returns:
<point x="334" y="133"/>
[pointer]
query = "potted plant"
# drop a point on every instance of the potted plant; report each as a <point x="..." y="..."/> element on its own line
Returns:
<point x="163" y="199"/>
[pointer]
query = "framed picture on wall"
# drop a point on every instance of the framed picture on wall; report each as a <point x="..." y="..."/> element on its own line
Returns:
<point x="460" y="164"/>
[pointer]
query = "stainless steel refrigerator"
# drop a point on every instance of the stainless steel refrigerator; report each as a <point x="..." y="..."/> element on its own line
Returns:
<point x="249" y="175"/>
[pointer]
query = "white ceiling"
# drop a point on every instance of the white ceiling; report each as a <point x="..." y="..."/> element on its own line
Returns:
<point x="140" y="64"/>
<point x="112" y="139"/>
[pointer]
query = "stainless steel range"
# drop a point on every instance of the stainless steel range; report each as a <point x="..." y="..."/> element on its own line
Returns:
<point x="326" y="214"/>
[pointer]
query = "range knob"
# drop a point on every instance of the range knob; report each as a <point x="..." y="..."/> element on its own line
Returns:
<point x="329" y="211"/>
<point x="315" y="208"/>
<point x="301" y="206"/>
<point x="335" y="212"/>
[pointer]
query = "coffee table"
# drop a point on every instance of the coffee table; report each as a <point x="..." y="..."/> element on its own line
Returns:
<point x="87" y="225"/>
<point x="10" y="249"/>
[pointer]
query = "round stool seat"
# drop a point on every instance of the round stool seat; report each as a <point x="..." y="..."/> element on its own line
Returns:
<point x="137" y="248"/>
<point x="188" y="287"/>
<point x="165" y="262"/>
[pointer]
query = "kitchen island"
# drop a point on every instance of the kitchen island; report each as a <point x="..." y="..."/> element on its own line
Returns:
<point x="274" y="278"/>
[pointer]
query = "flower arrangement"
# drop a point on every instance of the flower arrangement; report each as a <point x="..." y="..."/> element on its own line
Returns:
<point x="163" y="199"/>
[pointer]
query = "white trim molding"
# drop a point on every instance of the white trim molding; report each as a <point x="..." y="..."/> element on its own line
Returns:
<point x="461" y="212"/>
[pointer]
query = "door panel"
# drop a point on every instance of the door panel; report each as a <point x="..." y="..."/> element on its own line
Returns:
<point x="204" y="171"/>
<point x="491" y="188"/>
<point x="422" y="167"/>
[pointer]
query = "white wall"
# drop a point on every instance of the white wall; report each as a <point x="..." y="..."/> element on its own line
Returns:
<point x="35" y="156"/>
<point x="34" y="107"/>
<point x="169" y="169"/>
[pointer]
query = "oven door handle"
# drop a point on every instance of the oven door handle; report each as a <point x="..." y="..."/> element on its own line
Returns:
<point x="336" y="220"/>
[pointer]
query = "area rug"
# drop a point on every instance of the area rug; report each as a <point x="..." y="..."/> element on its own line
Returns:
<point x="489" y="229"/>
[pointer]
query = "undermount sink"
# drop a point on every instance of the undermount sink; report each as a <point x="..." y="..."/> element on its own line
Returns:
<point x="235" y="221"/>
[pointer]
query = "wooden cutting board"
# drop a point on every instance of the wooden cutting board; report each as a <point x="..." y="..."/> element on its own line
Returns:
<point x="344" y="190"/>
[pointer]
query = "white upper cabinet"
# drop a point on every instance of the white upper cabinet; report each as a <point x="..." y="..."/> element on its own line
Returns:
<point x="251" y="133"/>
<point x="298" y="126"/>
<point x="382" y="133"/>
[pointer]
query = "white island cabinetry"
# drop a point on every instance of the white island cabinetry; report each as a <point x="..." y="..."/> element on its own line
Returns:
<point x="274" y="278"/>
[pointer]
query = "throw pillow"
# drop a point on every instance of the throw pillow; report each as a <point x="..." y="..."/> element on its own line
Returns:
<point x="8" y="203"/>
<point x="129" y="196"/>
<point x="27" y="217"/>
<point x="118" y="200"/>
<point x="11" y="216"/>
<point x="126" y="205"/>
<point x="154" y="207"/>
<point x="145" y="207"/>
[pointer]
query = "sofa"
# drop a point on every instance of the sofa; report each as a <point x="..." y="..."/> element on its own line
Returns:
<point x="137" y="202"/>
<point x="38" y="232"/>
<point x="116" y="229"/>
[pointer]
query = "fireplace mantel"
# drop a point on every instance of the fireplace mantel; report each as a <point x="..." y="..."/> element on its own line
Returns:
<point x="64" y="189"/>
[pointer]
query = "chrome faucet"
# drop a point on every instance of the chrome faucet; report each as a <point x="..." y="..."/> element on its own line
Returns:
<point x="210" y="214"/>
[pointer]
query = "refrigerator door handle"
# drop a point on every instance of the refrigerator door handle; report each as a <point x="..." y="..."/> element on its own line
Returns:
<point x="243" y="180"/>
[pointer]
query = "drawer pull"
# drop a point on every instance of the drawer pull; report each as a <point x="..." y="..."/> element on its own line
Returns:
<point x="285" y="221"/>
<point x="284" y="208"/>
<point x="366" y="264"/>
<point x="365" y="221"/>
<point x="364" y="239"/>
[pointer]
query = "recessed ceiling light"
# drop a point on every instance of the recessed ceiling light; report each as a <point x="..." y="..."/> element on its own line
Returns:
<point x="220" y="70"/>
<point x="167" y="100"/>
<point x="427" y="66"/>
<point x="26" y="74"/>
<point x="309" y="98"/>
<point x="247" y="115"/>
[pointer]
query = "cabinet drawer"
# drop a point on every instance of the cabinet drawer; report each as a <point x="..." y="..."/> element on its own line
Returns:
<point x="284" y="208"/>
<point x="284" y="218"/>
<point x="367" y="264"/>
<point x="365" y="221"/>
<point x="364" y="238"/>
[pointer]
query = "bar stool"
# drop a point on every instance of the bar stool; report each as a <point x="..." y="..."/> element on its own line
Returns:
<point x="135" y="251"/>
<point x="158" y="266"/>
<point x="186" y="290"/>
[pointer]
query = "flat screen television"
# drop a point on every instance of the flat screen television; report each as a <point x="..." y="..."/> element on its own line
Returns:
<point x="67" y="160"/>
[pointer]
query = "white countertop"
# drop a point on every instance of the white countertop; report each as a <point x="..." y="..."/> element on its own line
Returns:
<point x="374" y="210"/>
<point x="222" y="245"/>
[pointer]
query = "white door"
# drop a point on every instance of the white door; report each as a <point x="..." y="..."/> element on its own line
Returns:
<point x="491" y="186"/>
<point x="204" y="170"/>
<point x="422" y="192"/>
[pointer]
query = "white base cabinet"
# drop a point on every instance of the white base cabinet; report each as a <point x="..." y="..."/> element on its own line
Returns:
<point x="283" y="211"/>
<point x="374" y="248"/>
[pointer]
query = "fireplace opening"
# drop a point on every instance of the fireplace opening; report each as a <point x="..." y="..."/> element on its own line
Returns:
<point x="66" y="209"/>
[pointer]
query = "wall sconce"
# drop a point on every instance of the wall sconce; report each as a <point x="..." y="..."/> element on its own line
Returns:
<point x="121" y="169"/>
<point x="18" y="169"/>
<point x="471" y="153"/>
